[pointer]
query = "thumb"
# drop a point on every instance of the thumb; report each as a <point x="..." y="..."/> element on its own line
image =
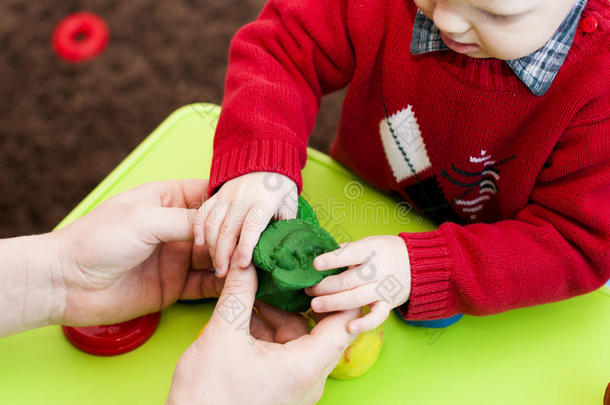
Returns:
<point x="234" y="307"/>
<point x="329" y="338"/>
<point x="168" y="224"/>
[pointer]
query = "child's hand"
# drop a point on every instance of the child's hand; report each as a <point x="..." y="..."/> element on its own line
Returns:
<point x="379" y="275"/>
<point x="241" y="210"/>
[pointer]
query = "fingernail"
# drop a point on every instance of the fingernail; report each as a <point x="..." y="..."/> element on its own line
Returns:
<point x="199" y="240"/>
<point x="352" y="329"/>
<point x="315" y="305"/>
<point x="243" y="261"/>
<point x="320" y="263"/>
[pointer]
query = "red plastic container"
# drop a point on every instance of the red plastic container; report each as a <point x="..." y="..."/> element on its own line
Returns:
<point x="110" y="340"/>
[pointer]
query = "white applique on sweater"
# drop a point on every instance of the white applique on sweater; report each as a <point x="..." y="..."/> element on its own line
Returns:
<point x="403" y="144"/>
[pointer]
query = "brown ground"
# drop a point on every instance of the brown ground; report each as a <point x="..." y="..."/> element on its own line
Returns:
<point x="64" y="127"/>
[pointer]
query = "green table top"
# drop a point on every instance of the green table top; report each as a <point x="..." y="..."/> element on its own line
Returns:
<point x="550" y="354"/>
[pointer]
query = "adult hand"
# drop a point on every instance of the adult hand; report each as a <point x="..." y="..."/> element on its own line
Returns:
<point x="227" y="365"/>
<point x="134" y="254"/>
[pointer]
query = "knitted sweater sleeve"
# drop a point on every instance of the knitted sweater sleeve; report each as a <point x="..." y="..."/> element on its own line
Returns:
<point x="556" y="247"/>
<point x="279" y="67"/>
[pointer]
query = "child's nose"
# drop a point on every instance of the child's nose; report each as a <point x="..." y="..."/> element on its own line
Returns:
<point x="449" y="20"/>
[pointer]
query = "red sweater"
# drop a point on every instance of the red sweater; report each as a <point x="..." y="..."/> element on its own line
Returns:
<point x="520" y="183"/>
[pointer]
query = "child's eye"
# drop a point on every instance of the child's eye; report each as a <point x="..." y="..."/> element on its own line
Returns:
<point x="492" y="16"/>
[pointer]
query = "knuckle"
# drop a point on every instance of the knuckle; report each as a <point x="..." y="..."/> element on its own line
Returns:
<point x="250" y="227"/>
<point x="322" y="287"/>
<point x="243" y="249"/>
<point x="207" y="203"/>
<point x="235" y="286"/>
<point x="345" y="284"/>
<point x="209" y="227"/>
<point x="360" y="300"/>
<point x="226" y="230"/>
<point x="259" y="214"/>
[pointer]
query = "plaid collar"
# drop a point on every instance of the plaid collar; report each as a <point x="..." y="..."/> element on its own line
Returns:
<point x="536" y="70"/>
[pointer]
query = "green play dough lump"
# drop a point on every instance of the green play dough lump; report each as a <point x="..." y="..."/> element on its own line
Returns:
<point x="306" y="212"/>
<point x="284" y="262"/>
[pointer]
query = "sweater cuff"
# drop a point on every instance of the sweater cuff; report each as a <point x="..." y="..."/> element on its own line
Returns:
<point x="260" y="156"/>
<point x="430" y="276"/>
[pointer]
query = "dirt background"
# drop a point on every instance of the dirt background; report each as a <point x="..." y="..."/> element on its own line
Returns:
<point x="64" y="127"/>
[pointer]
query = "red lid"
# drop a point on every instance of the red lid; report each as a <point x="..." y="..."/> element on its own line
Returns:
<point x="110" y="340"/>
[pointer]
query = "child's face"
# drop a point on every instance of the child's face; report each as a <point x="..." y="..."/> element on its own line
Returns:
<point x="501" y="29"/>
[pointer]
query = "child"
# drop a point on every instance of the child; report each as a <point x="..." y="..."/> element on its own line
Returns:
<point x="492" y="117"/>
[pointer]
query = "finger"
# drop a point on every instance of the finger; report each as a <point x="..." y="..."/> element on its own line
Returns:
<point x="200" y="257"/>
<point x="227" y="236"/>
<point x="288" y="206"/>
<point x="199" y="219"/>
<point x="316" y="316"/>
<point x="345" y="281"/>
<point x="355" y="298"/>
<point x="183" y="193"/>
<point x="260" y="330"/>
<point x="164" y="224"/>
<point x="352" y="253"/>
<point x="287" y="325"/>
<point x="201" y="284"/>
<point x="198" y="236"/>
<point x="327" y="340"/>
<point x="212" y="227"/>
<point x="275" y="316"/>
<point x="256" y="221"/>
<point x="170" y="193"/>
<point x="236" y="300"/>
<point x="379" y="312"/>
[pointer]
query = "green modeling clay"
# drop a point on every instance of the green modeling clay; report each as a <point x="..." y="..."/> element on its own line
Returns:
<point x="306" y="212"/>
<point x="284" y="260"/>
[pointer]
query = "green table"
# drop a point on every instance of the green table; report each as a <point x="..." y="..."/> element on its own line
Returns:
<point x="550" y="354"/>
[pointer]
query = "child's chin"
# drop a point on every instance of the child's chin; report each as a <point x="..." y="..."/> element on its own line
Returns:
<point x="478" y="54"/>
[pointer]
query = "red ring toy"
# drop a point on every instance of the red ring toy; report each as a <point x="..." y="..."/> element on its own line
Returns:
<point x="80" y="36"/>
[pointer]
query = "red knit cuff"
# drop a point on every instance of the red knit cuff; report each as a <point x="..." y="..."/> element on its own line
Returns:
<point x="262" y="155"/>
<point x="430" y="276"/>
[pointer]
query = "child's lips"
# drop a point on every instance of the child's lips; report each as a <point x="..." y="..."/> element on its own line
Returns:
<point x="458" y="46"/>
